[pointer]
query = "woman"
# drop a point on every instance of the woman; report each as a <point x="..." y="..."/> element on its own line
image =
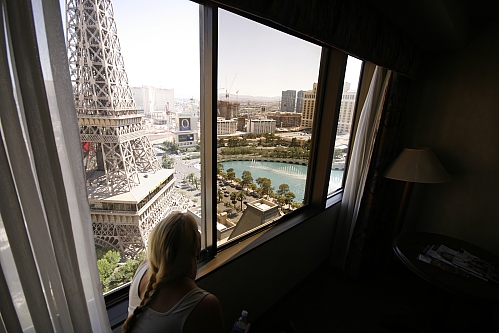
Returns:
<point x="170" y="300"/>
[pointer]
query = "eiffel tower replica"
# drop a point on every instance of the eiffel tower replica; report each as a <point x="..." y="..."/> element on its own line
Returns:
<point x="128" y="190"/>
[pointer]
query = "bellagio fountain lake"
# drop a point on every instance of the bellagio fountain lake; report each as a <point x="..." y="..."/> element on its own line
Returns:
<point x="281" y="173"/>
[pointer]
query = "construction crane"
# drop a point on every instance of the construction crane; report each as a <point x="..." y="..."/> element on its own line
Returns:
<point x="227" y="92"/>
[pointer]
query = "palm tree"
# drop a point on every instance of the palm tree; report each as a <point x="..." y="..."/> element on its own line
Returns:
<point x="220" y="195"/>
<point x="241" y="196"/>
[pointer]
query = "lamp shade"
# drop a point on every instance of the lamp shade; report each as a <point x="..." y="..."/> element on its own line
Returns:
<point x="417" y="165"/>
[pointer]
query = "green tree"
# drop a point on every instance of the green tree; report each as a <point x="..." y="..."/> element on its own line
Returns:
<point x="283" y="189"/>
<point x="281" y="200"/>
<point x="168" y="162"/>
<point x="265" y="185"/>
<point x="233" y="196"/>
<point x="170" y="147"/>
<point x="246" y="178"/>
<point x="190" y="177"/>
<point x="220" y="168"/>
<point x="289" y="197"/>
<point x="220" y="195"/>
<point x="231" y="175"/>
<point x="220" y="143"/>
<point x="124" y="272"/>
<point x="307" y="144"/>
<point x="195" y="181"/>
<point x="233" y="142"/>
<point x="253" y="187"/>
<point x="107" y="265"/>
<point x="241" y="196"/>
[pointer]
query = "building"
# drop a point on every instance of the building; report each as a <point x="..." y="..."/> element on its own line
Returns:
<point x="261" y="126"/>
<point x="156" y="103"/>
<point x="443" y="85"/>
<point x="307" y="116"/>
<point x="257" y="213"/>
<point x="186" y="132"/>
<point x="225" y="126"/>
<point x="288" y="101"/>
<point x="299" y="101"/>
<point x="347" y="109"/>
<point x="285" y="119"/>
<point x="227" y="110"/>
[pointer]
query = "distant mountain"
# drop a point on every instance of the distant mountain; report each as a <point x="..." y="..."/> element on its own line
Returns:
<point x="246" y="98"/>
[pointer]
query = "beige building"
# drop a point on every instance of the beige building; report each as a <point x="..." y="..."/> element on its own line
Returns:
<point x="307" y="115"/>
<point x="285" y="119"/>
<point x="261" y="126"/>
<point x="225" y="126"/>
<point x="347" y="109"/>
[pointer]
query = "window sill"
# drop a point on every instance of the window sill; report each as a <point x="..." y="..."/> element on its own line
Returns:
<point x="246" y="245"/>
<point x="117" y="302"/>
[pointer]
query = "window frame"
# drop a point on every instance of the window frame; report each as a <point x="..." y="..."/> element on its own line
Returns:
<point x="326" y="116"/>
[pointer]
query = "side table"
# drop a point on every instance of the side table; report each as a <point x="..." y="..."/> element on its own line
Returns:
<point x="472" y="290"/>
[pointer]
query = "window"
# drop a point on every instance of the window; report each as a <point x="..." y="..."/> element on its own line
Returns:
<point x="138" y="112"/>
<point x="263" y="157"/>
<point x="118" y="201"/>
<point x="343" y="134"/>
<point x="263" y="153"/>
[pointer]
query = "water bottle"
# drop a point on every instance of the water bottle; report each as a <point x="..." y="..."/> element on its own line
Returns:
<point x="241" y="323"/>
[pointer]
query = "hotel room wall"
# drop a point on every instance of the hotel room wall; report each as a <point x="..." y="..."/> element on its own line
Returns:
<point x="261" y="277"/>
<point x="454" y="109"/>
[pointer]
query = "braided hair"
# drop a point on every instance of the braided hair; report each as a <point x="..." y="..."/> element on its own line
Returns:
<point x="172" y="252"/>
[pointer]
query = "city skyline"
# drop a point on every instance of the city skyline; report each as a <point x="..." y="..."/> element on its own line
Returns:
<point x="154" y="39"/>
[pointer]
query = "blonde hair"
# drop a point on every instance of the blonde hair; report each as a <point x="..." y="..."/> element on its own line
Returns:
<point x="173" y="247"/>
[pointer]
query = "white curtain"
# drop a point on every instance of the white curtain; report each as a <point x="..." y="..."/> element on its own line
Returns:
<point x="359" y="165"/>
<point x="48" y="278"/>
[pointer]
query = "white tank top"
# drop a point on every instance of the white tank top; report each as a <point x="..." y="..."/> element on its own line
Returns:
<point x="172" y="321"/>
<point x="133" y="293"/>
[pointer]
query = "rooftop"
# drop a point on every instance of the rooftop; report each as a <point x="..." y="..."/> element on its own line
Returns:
<point x="148" y="183"/>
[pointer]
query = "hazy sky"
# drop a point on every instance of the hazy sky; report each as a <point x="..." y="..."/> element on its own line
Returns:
<point x="160" y="47"/>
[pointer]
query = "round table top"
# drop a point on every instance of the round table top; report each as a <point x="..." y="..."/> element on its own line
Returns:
<point x="408" y="246"/>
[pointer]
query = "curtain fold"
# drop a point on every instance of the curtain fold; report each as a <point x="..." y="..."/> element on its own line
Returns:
<point x="372" y="239"/>
<point x="45" y="215"/>
<point x="359" y="165"/>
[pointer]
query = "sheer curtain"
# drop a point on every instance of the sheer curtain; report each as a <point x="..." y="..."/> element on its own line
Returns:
<point x="48" y="274"/>
<point x="359" y="165"/>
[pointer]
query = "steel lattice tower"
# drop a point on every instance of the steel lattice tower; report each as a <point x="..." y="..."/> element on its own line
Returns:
<point x="128" y="190"/>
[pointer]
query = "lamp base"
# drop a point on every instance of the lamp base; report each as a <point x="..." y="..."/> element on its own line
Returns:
<point x="404" y="203"/>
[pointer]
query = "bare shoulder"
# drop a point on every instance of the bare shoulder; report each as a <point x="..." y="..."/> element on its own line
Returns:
<point x="206" y="316"/>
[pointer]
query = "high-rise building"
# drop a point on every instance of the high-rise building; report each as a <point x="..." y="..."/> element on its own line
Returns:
<point x="128" y="191"/>
<point x="347" y="109"/>
<point x="299" y="101"/>
<point x="156" y="103"/>
<point x="307" y="117"/>
<point x="288" y="100"/>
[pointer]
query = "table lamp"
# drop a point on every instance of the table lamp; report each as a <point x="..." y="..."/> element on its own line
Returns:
<point x="414" y="165"/>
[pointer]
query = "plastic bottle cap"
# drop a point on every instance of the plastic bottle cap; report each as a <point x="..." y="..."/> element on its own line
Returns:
<point x="244" y="313"/>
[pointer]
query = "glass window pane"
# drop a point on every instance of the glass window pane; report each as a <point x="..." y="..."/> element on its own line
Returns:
<point x="267" y="83"/>
<point x="136" y="82"/>
<point x="345" y="122"/>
